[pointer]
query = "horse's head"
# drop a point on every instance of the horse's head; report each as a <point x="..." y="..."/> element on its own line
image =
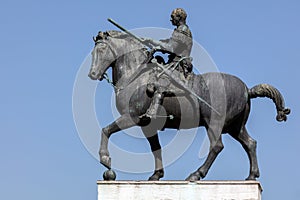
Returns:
<point x="102" y="56"/>
<point x="118" y="50"/>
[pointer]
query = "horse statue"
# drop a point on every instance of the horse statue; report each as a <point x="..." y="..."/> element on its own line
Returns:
<point x="222" y="106"/>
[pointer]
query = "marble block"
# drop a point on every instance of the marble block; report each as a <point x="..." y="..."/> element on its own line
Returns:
<point x="175" y="190"/>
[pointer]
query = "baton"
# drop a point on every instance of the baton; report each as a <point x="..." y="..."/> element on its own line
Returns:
<point x="126" y="31"/>
<point x="123" y="29"/>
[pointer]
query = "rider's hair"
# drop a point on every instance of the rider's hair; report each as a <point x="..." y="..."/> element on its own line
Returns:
<point x="179" y="12"/>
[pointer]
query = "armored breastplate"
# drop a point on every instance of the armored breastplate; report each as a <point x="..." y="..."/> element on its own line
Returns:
<point x="183" y="40"/>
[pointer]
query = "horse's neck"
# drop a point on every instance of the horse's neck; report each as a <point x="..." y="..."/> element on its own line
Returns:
<point x="127" y="64"/>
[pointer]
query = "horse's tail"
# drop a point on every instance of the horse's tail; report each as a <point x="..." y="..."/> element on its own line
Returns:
<point x="265" y="90"/>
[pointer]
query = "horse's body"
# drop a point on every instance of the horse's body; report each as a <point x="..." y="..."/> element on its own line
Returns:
<point x="226" y="94"/>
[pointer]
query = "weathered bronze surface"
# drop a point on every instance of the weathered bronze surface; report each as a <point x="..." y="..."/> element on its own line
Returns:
<point x="219" y="102"/>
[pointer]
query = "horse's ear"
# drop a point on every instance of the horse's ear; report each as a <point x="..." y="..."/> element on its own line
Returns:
<point x="109" y="34"/>
<point x="106" y="34"/>
<point x="101" y="36"/>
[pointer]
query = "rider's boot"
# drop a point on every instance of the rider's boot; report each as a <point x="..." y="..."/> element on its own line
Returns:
<point x="156" y="102"/>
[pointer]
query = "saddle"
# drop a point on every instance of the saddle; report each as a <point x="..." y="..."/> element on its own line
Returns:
<point x="168" y="78"/>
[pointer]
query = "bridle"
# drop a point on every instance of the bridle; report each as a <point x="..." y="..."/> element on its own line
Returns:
<point x="105" y="75"/>
<point x="109" y="46"/>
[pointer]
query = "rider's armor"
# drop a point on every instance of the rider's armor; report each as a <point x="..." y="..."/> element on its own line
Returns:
<point x="180" y="46"/>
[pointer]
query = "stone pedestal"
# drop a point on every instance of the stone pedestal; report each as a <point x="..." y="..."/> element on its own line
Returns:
<point x="175" y="190"/>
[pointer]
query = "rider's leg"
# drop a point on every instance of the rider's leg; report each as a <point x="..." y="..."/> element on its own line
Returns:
<point x="156" y="102"/>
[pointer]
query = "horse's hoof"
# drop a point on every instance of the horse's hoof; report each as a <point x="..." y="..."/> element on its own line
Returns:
<point x="153" y="178"/>
<point x="109" y="175"/>
<point x="251" y="178"/>
<point x="193" y="177"/>
<point x="156" y="175"/>
<point x="106" y="161"/>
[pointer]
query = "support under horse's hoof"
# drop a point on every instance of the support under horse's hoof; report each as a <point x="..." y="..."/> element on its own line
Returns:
<point x="109" y="175"/>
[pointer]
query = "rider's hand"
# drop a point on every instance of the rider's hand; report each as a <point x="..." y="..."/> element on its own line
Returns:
<point x="146" y="41"/>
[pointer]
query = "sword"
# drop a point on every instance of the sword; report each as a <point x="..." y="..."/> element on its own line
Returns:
<point x="183" y="85"/>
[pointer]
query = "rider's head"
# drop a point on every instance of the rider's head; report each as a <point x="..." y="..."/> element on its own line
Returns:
<point x="178" y="16"/>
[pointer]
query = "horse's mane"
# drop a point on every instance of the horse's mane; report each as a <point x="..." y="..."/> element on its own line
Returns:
<point x="116" y="34"/>
<point x="121" y="35"/>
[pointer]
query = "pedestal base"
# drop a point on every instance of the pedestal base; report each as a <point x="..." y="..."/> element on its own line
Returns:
<point x="175" y="190"/>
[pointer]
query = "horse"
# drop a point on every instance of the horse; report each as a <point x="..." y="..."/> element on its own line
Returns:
<point x="222" y="106"/>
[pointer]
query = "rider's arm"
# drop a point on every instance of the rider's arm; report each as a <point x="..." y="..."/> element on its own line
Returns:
<point x="165" y="40"/>
<point x="165" y="45"/>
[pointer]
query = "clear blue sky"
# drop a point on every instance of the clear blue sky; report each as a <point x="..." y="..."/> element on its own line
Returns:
<point x="43" y="44"/>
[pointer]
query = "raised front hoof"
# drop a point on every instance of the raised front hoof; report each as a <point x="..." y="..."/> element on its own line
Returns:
<point x="156" y="175"/>
<point x="106" y="161"/>
<point x="109" y="175"/>
<point x="193" y="177"/>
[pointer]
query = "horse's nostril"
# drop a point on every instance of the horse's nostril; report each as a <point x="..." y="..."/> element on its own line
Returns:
<point x="93" y="75"/>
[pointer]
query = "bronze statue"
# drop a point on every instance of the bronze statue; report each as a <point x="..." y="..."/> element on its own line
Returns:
<point x="219" y="102"/>
<point x="179" y="46"/>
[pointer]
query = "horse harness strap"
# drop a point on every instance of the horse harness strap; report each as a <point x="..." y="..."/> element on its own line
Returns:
<point x="110" y="48"/>
<point x="105" y="75"/>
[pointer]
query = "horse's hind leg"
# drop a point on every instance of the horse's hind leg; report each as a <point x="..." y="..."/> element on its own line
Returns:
<point x="123" y="122"/>
<point x="214" y="134"/>
<point x="249" y="144"/>
<point x="153" y="140"/>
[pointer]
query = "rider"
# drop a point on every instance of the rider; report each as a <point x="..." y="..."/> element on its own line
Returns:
<point x="180" y="46"/>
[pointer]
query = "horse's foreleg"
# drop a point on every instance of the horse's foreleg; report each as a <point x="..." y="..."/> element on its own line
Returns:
<point x="123" y="122"/>
<point x="216" y="146"/>
<point x="153" y="140"/>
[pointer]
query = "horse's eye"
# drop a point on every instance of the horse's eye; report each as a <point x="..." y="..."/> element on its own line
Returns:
<point x="101" y="47"/>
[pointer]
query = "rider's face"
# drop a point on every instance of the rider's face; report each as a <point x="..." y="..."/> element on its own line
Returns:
<point x="174" y="19"/>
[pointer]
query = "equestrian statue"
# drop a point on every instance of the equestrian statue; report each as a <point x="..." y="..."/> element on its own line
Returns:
<point x="147" y="89"/>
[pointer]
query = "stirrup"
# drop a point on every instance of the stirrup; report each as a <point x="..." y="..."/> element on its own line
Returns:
<point x="146" y="115"/>
<point x="150" y="113"/>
